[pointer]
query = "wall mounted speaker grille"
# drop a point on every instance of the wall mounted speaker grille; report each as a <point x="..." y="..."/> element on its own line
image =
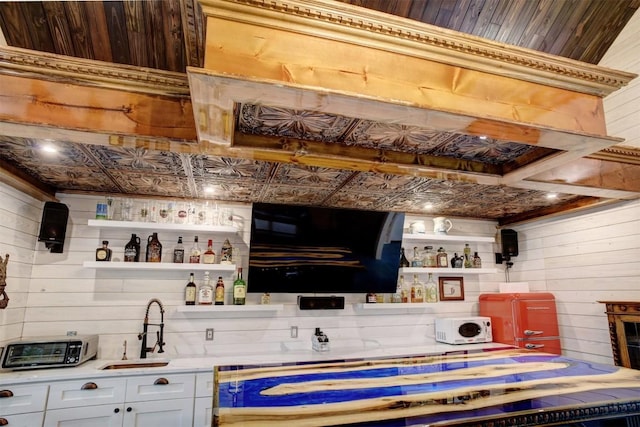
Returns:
<point x="320" y="303"/>
<point x="509" y="240"/>
<point x="53" y="227"/>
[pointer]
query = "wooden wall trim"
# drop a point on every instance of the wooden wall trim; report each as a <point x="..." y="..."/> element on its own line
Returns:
<point x="347" y="23"/>
<point x="48" y="66"/>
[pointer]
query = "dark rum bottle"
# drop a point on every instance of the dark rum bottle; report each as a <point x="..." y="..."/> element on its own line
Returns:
<point x="132" y="249"/>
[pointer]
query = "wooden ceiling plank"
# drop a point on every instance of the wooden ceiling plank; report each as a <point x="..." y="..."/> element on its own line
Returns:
<point x="39" y="29"/>
<point x="139" y="43"/>
<point x="172" y="30"/>
<point x="25" y="183"/>
<point x="155" y="24"/>
<point x="97" y="21"/>
<point x="12" y="24"/>
<point x="116" y="23"/>
<point x="570" y="18"/>
<point x="78" y="30"/>
<point x="59" y="27"/>
<point x="555" y="210"/>
<point x="535" y="34"/>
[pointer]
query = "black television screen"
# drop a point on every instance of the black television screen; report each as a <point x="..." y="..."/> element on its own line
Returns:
<point x="306" y="249"/>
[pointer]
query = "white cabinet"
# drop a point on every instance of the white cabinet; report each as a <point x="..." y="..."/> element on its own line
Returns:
<point x="141" y="401"/>
<point x="203" y="406"/>
<point x="22" y="405"/>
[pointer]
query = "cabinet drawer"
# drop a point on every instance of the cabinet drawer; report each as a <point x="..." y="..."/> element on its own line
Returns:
<point x="102" y="391"/>
<point x="160" y="386"/>
<point x="33" y="419"/>
<point x="22" y="398"/>
<point x="204" y="384"/>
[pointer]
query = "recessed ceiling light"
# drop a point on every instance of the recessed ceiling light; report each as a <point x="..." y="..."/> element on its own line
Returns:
<point x="483" y="137"/>
<point x="552" y="195"/>
<point x="49" y="148"/>
<point x="209" y="190"/>
<point x="428" y="206"/>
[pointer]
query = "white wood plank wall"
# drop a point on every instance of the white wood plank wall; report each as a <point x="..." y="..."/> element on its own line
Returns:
<point x="19" y="225"/>
<point x="583" y="259"/>
<point x="64" y="296"/>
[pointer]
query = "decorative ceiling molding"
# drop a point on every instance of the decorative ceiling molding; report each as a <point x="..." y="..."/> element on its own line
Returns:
<point x="48" y="66"/>
<point x="618" y="154"/>
<point x="366" y="27"/>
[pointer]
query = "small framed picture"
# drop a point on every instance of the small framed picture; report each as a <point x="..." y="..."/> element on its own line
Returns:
<point x="451" y="288"/>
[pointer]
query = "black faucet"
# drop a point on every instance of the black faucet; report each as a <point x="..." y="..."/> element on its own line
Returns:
<point x="145" y="326"/>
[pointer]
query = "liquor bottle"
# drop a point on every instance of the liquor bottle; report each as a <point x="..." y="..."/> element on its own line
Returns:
<point x="219" y="299"/>
<point x="468" y="262"/>
<point x="431" y="289"/>
<point x="404" y="295"/>
<point x="154" y="249"/>
<point x="239" y="289"/>
<point x="397" y="295"/>
<point x="178" y="252"/>
<point x="205" y="292"/>
<point x="417" y="290"/>
<point x="477" y="262"/>
<point x="209" y="256"/>
<point x="132" y="249"/>
<point x="404" y="262"/>
<point x="417" y="260"/>
<point x="441" y="258"/>
<point x="429" y="257"/>
<point x="190" y="291"/>
<point x="226" y="253"/>
<point x="265" y="299"/>
<point x="194" y="256"/>
<point x="371" y="297"/>
<point x="456" y="261"/>
<point x="103" y="253"/>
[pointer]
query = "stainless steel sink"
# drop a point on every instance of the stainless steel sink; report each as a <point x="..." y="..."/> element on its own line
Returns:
<point x="135" y="364"/>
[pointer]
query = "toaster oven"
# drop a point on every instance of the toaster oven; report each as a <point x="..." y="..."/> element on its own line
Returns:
<point x="49" y="352"/>
<point x="463" y="330"/>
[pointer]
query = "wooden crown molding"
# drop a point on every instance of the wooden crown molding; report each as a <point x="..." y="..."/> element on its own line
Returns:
<point x="618" y="154"/>
<point x="353" y="24"/>
<point x="48" y="66"/>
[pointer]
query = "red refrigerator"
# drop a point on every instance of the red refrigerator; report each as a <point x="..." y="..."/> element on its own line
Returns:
<point x="527" y="320"/>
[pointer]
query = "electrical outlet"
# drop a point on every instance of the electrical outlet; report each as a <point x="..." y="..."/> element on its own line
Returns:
<point x="72" y="333"/>
<point x="208" y="334"/>
<point x="294" y="332"/>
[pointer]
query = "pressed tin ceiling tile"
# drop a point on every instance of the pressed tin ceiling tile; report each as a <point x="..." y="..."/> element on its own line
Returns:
<point x="138" y="159"/>
<point x="138" y="182"/>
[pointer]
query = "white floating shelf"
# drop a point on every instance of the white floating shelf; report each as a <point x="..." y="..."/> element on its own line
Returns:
<point x="394" y="306"/>
<point x="228" y="308"/>
<point x="447" y="238"/>
<point x="163" y="266"/>
<point x="447" y="271"/>
<point x="137" y="225"/>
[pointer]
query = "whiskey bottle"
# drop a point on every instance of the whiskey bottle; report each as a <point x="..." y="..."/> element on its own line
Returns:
<point x="441" y="258"/>
<point x="431" y="289"/>
<point x="154" y="249"/>
<point x="194" y="255"/>
<point x="103" y="253"/>
<point x="205" y="292"/>
<point x="226" y="253"/>
<point x="190" y="291"/>
<point x="239" y="289"/>
<point x="209" y="256"/>
<point x="219" y="299"/>
<point x="404" y="262"/>
<point x="132" y="249"/>
<point x="417" y="290"/>
<point x="178" y="252"/>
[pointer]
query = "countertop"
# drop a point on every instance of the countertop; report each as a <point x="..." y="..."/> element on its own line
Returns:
<point x="297" y="351"/>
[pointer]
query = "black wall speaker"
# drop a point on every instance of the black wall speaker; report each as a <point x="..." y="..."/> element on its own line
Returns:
<point x="321" y="303"/>
<point x="54" y="226"/>
<point x="509" y="240"/>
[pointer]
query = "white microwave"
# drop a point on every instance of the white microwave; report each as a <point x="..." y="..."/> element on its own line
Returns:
<point x="463" y="330"/>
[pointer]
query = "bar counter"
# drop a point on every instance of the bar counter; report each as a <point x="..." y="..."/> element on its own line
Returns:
<point x="485" y="387"/>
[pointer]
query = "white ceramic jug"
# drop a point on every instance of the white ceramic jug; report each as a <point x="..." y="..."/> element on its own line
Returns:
<point x="417" y="227"/>
<point x="441" y="225"/>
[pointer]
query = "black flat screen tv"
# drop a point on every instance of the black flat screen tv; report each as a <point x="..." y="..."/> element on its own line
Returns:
<point x="308" y="249"/>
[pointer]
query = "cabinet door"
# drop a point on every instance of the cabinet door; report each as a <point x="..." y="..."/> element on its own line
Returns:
<point x="85" y="416"/>
<point x="102" y="391"/>
<point x="628" y="332"/>
<point x="33" y="419"/>
<point x="174" y="413"/>
<point x="202" y="411"/>
<point x="20" y="399"/>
